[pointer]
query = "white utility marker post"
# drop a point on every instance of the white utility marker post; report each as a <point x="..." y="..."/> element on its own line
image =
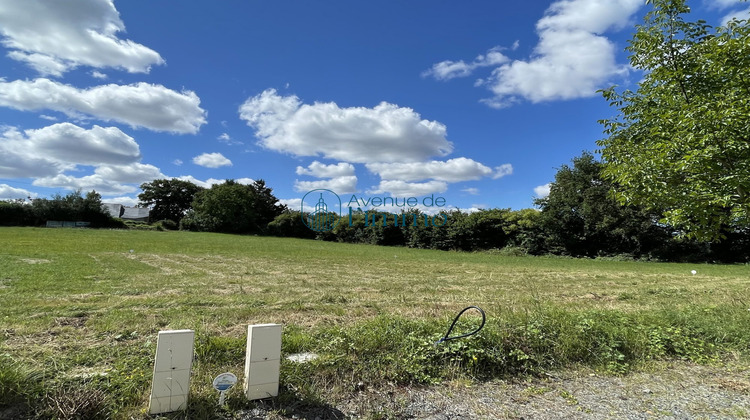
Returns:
<point x="171" y="382"/>
<point x="262" y="361"/>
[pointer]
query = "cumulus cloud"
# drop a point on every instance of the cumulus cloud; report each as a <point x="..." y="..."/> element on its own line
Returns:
<point x="385" y="133"/>
<point x="70" y="143"/>
<point x="213" y="181"/>
<point x="409" y="189"/>
<point x="134" y="173"/>
<point x="139" y="105"/>
<point x="341" y="178"/>
<point x="10" y="193"/>
<point x="723" y="4"/>
<point x="244" y="181"/>
<point x="446" y="70"/>
<point x="339" y="185"/>
<point x="571" y="60"/>
<point x="48" y="151"/>
<point x="321" y="170"/>
<point x="542" y="191"/>
<point x="212" y="160"/>
<point x="227" y="139"/>
<point x="205" y="184"/>
<point x="742" y="14"/>
<point x="452" y="170"/>
<point x="295" y="204"/>
<point x="86" y="183"/>
<point x="56" y="36"/>
<point x="471" y="191"/>
<point x="18" y="164"/>
<point x="503" y="170"/>
<point x="124" y="200"/>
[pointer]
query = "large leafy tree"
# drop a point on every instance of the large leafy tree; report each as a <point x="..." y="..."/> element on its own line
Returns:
<point x="168" y="198"/>
<point x="580" y="218"/>
<point x="681" y="142"/>
<point x="232" y="207"/>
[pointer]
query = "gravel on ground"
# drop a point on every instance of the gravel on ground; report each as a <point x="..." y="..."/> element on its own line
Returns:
<point x="668" y="390"/>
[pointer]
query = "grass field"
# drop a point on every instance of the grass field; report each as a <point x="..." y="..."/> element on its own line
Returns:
<point x="80" y="310"/>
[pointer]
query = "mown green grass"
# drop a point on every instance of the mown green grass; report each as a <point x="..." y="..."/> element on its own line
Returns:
<point x="80" y="310"/>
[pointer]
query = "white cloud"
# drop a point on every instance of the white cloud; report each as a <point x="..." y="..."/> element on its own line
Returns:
<point x="295" y="204"/>
<point x="46" y="154"/>
<point x="67" y="142"/>
<point x="177" y="162"/>
<point x="723" y="4"/>
<point x="213" y="181"/>
<point x="503" y="170"/>
<point x="742" y="14"/>
<point x="339" y="185"/>
<point x="321" y="170"/>
<point x="98" y="75"/>
<point x="471" y="191"/>
<point x="198" y="182"/>
<point x="135" y="173"/>
<point x="244" y="181"/>
<point x="50" y="150"/>
<point x="15" y="163"/>
<point x="226" y="138"/>
<point x="54" y="37"/>
<point x="572" y="60"/>
<point x="9" y="193"/>
<point x="542" y="191"/>
<point x="446" y="70"/>
<point x="212" y="160"/>
<point x="44" y="64"/>
<point x="124" y="200"/>
<point x="86" y="183"/>
<point x="453" y="170"/>
<point x="139" y="105"/>
<point x="409" y="189"/>
<point x="385" y="133"/>
<point x="48" y="117"/>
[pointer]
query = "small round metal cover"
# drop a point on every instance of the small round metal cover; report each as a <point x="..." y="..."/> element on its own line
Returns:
<point x="225" y="381"/>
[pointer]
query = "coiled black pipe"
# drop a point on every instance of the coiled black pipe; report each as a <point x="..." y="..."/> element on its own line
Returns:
<point x="447" y="334"/>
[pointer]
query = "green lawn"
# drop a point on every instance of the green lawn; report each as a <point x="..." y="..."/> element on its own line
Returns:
<point x="80" y="309"/>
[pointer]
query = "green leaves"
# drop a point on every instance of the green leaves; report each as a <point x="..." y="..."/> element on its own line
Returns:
<point x="232" y="207"/>
<point x="170" y="198"/>
<point x="679" y="144"/>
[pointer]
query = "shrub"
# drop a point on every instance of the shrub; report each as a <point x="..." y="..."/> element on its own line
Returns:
<point x="166" y="224"/>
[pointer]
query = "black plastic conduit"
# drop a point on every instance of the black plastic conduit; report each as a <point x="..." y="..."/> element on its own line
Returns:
<point x="447" y="334"/>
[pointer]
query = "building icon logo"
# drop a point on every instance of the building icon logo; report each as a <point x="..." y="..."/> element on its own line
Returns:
<point x="326" y="213"/>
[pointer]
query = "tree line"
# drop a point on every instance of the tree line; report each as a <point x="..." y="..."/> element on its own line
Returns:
<point x="673" y="182"/>
<point x="71" y="207"/>
<point x="579" y="218"/>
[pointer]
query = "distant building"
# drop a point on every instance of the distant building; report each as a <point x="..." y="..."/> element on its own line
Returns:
<point x="114" y="210"/>
<point x="137" y="214"/>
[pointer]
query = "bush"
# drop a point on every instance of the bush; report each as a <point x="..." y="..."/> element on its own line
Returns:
<point x="166" y="224"/>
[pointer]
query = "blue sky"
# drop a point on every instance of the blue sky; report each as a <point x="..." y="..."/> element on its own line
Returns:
<point x="476" y="102"/>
